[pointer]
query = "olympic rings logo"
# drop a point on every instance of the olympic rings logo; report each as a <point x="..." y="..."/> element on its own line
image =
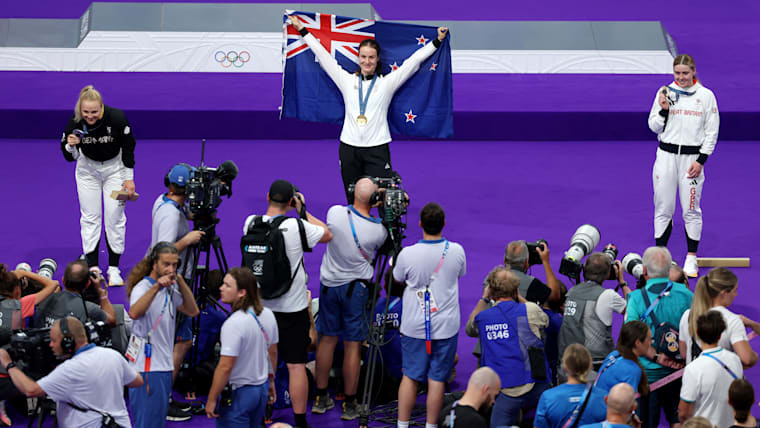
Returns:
<point x="228" y="59"/>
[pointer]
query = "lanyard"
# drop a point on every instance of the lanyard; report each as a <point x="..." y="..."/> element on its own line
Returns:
<point x="148" y="347"/>
<point x="428" y="343"/>
<point x="362" y="99"/>
<point x="657" y="300"/>
<point x="451" y="414"/>
<point x="722" y="364"/>
<point x="266" y="339"/>
<point x="356" y="238"/>
<point x="576" y="413"/>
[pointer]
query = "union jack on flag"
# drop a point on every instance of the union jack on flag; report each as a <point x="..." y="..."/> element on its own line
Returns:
<point x="422" y="107"/>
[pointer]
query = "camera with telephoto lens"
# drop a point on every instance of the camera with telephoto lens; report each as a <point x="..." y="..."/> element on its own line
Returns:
<point x="611" y="252"/>
<point x="583" y="242"/>
<point x="533" y="257"/>
<point x="205" y="189"/>
<point x="47" y="268"/>
<point x="634" y="265"/>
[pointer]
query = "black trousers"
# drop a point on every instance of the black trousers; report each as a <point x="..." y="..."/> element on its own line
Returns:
<point x="357" y="162"/>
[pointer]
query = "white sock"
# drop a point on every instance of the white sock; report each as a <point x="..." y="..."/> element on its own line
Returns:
<point x="400" y="424"/>
<point x="427" y="425"/>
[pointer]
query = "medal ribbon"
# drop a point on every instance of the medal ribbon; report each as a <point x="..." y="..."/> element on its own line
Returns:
<point x="428" y="342"/>
<point x="362" y="99"/>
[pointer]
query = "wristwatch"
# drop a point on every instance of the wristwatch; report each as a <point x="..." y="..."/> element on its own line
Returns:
<point x="485" y="300"/>
<point x="10" y="366"/>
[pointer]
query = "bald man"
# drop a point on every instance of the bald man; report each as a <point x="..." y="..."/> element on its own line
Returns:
<point x="621" y="404"/>
<point x="357" y="235"/>
<point x="472" y="409"/>
<point x="87" y="386"/>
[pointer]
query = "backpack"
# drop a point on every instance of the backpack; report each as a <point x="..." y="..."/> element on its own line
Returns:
<point x="264" y="252"/>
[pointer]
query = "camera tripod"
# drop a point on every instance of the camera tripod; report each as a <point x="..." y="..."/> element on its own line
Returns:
<point x="45" y="407"/>
<point x="199" y="283"/>
<point x="376" y="335"/>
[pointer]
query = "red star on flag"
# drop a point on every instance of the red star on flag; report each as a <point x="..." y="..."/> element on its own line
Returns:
<point x="433" y="67"/>
<point x="410" y="117"/>
<point x="394" y="66"/>
<point x="421" y="40"/>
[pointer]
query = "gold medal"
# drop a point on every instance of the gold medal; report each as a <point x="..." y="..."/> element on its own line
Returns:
<point x="361" y="120"/>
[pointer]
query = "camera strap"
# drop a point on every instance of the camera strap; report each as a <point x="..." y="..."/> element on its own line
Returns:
<point x="428" y="341"/>
<point x="356" y="238"/>
<point x="575" y="418"/>
<point x="651" y="307"/>
<point x="107" y="421"/>
<point x="266" y="339"/>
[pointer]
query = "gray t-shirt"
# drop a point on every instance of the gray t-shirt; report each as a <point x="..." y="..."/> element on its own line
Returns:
<point x="170" y="225"/>
<point x="343" y="261"/>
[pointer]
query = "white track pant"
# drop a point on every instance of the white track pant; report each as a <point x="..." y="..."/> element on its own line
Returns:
<point x="668" y="175"/>
<point x="95" y="182"/>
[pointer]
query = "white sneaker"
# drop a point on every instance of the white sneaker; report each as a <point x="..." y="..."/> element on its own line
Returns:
<point x="114" y="277"/>
<point x="690" y="267"/>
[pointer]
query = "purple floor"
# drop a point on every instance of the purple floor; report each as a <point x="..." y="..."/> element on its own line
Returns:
<point x="493" y="192"/>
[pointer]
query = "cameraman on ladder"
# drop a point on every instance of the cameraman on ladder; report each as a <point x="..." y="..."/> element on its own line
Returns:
<point x="273" y="247"/>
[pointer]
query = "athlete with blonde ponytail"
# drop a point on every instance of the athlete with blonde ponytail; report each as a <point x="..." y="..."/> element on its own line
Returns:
<point x="716" y="291"/>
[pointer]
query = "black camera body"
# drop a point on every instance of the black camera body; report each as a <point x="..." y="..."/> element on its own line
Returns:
<point x="204" y="191"/>
<point x="32" y="348"/>
<point x="611" y="252"/>
<point x="533" y="257"/>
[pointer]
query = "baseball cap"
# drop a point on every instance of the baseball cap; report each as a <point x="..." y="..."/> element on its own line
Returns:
<point x="179" y="175"/>
<point x="281" y="191"/>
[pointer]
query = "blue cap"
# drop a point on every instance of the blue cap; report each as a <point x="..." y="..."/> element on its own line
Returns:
<point x="179" y="175"/>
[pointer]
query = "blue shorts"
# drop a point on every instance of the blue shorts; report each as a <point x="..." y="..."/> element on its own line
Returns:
<point x="341" y="314"/>
<point x="420" y="366"/>
<point x="150" y="403"/>
<point x="184" y="329"/>
<point x="248" y="407"/>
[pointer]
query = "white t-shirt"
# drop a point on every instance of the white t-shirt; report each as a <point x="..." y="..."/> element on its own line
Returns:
<point x="734" y="332"/>
<point x="607" y="302"/>
<point x="295" y="299"/>
<point x="343" y="262"/>
<point x="170" y="224"/>
<point x="376" y="131"/>
<point x="241" y="337"/>
<point x="92" y="379"/>
<point x="706" y="382"/>
<point x="414" y="266"/>
<point x="162" y="338"/>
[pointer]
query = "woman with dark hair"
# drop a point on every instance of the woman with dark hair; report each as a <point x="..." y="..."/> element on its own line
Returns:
<point x="741" y="396"/>
<point x="249" y="352"/>
<point x="717" y="291"/>
<point x="621" y="365"/>
<point x="99" y="139"/>
<point x="366" y="97"/>
<point x="687" y="133"/>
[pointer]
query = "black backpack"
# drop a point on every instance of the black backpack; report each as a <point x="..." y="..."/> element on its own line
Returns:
<point x="263" y="249"/>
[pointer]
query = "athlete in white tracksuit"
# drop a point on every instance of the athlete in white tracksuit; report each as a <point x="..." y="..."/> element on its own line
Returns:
<point x="685" y="117"/>
<point x="100" y="140"/>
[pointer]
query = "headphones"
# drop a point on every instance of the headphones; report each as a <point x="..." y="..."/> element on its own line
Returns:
<point x="158" y="247"/>
<point x="166" y="177"/>
<point x="67" y="341"/>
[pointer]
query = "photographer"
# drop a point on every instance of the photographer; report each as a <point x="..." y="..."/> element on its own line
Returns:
<point x="430" y="270"/>
<point x="343" y="296"/>
<point x="100" y="140"/>
<point x="290" y="308"/>
<point x="88" y="386"/>
<point x="510" y="335"/>
<point x="532" y="289"/>
<point x="14" y="308"/>
<point x="76" y="279"/>
<point x="170" y="224"/>
<point x="248" y="355"/>
<point x="589" y="307"/>
<point x="668" y="302"/>
<point x="155" y="293"/>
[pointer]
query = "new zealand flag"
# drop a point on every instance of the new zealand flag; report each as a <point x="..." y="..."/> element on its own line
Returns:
<point x="422" y="107"/>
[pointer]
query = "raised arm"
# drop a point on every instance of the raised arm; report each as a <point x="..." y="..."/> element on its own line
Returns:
<point x="326" y="61"/>
<point x="658" y="115"/>
<point x="412" y="64"/>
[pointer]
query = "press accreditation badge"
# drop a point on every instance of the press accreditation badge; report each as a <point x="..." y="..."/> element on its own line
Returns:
<point x="133" y="349"/>
<point x="421" y="300"/>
